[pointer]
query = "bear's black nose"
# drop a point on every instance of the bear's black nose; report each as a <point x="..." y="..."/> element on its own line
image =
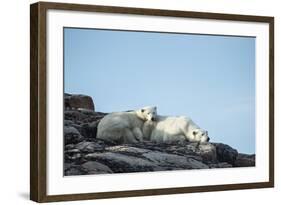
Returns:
<point x="208" y="139"/>
<point x="152" y="118"/>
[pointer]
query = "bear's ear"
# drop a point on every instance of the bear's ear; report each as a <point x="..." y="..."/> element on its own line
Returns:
<point x="194" y="133"/>
<point x="142" y="110"/>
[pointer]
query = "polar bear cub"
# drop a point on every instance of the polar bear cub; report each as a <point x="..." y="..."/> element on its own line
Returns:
<point x="174" y="130"/>
<point x="125" y="127"/>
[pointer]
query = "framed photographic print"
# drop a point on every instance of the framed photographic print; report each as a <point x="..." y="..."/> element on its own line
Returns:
<point x="134" y="102"/>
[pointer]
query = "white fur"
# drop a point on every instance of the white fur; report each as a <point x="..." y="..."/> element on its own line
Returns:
<point x="125" y="127"/>
<point x="174" y="130"/>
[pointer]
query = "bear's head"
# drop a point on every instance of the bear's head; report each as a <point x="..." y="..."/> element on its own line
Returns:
<point x="199" y="135"/>
<point x="148" y="113"/>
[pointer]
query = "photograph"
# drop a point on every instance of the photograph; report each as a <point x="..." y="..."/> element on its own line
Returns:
<point x="149" y="101"/>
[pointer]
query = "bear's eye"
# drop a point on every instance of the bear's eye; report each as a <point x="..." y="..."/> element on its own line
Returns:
<point x="194" y="132"/>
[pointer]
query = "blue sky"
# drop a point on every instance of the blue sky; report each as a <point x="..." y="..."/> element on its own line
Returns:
<point x="208" y="78"/>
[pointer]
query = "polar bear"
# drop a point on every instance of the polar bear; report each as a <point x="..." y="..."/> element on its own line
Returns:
<point x="174" y="130"/>
<point x="125" y="127"/>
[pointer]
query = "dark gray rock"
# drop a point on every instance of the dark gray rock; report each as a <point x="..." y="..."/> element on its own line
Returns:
<point x="88" y="147"/>
<point x="220" y="165"/>
<point x="71" y="135"/>
<point x="69" y="146"/>
<point x="89" y="130"/>
<point x="142" y="157"/>
<point x="93" y="167"/>
<point x="68" y="123"/>
<point x="72" y="170"/>
<point x="123" y="158"/>
<point x="78" y="101"/>
<point x="72" y="155"/>
<point x="203" y="152"/>
<point x="74" y="115"/>
<point x="245" y="160"/>
<point x="225" y="153"/>
<point x="208" y="152"/>
<point x="120" y="162"/>
<point x="79" y="117"/>
<point x="172" y="161"/>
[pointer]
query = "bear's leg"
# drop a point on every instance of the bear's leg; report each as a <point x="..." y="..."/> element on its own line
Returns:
<point x="181" y="139"/>
<point x="138" y="134"/>
<point x="129" y="137"/>
<point x="174" y="139"/>
<point x="147" y="129"/>
<point x="156" y="137"/>
<point x="167" y="138"/>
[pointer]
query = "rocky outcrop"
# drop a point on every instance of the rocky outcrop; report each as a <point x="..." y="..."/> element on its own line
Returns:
<point x="78" y="102"/>
<point x="245" y="160"/>
<point x="225" y="153"/>
<point x="85" y="154"/>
